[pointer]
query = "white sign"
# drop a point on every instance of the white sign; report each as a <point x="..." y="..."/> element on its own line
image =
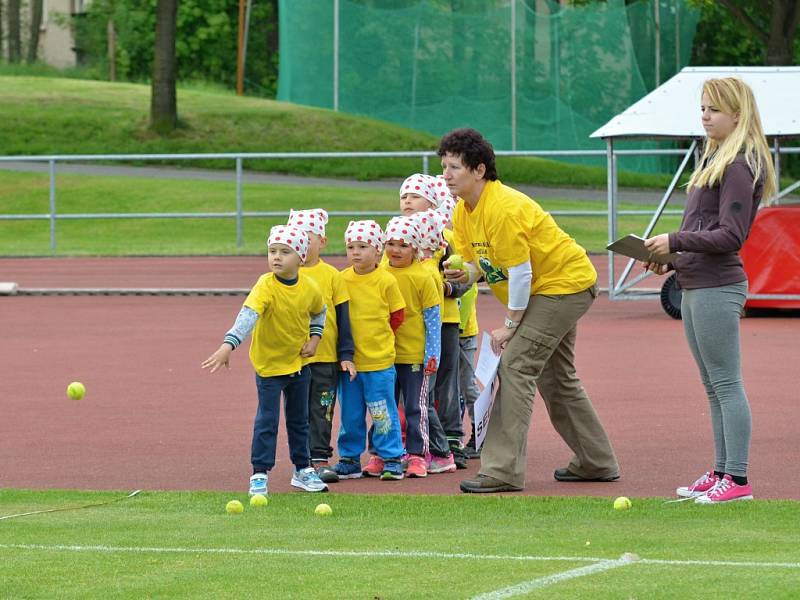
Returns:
<point x="486" y="374"/>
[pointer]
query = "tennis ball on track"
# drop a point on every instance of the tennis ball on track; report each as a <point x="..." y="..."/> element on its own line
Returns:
<point x="622" y="503"/>
<point x="257" y="500"/>
<point x="76" y="390"/>
<point x="234" y="507"/>
<point x="456" y="263"/>
<point x="323" y="510"/>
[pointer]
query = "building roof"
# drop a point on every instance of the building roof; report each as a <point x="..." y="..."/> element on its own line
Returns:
<point x="672" y="110"/>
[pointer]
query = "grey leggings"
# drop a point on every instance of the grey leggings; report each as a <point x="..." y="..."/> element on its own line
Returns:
<point x="711" y="323"/>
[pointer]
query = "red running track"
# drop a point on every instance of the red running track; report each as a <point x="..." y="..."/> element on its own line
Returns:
<point x="152" y="419"/>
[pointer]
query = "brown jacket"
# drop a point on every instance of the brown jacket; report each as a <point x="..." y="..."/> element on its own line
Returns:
<point x="716" y="222"/>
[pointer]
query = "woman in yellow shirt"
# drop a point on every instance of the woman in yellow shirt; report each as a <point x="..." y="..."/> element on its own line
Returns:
<point x="547" y="283"/>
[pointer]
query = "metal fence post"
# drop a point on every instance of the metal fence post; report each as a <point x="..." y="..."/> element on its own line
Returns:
<point x="239" y="233"/>
<point x="52" y="204"/>
<point x="425" y="165"/>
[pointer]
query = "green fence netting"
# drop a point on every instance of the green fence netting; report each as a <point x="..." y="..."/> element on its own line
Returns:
<point x="434" y="65"/>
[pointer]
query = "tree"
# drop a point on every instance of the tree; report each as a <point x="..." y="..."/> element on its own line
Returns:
<point x="777" y="33"/>
<point x="163" y="99"/>
<point x="14" y="39"/>
<point x="37" y="8"/>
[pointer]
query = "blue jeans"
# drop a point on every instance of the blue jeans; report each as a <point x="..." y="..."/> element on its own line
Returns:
<point x="371" y="391"/>
<point x="265" y="429"/>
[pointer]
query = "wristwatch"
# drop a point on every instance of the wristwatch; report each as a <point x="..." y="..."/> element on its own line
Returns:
<point x="511" y="324"/>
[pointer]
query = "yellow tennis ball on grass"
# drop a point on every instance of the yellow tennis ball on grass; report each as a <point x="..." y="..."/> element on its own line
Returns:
<point x="76" y="390"/>
<point x="234" y="507"/>
<point x="323" y="510"/>
<point x="622" y="503"/>
<point x="258" y="500"/>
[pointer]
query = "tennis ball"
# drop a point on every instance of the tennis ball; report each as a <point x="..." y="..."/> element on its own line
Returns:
<point x="76" y="390"/>
<point x="622" y="503"/>
<point x="323" y="510"/>
<point x="234" y="507"/>
<point x="257" y="500"/>
<point x="456" y="263"/>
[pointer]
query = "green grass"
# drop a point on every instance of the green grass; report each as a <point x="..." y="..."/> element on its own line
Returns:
<point x="27" y="193"/>
<point x="56" y="115"/>
<point x="270" y="548"/>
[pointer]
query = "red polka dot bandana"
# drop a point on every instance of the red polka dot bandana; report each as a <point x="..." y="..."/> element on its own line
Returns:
<point x="311" y="221"/>
<point x="447" y="203"/>
<point x="405" y="229"/>
<point x="367" y="231"/>
<point x="295" y="238"/>
<point x="431" y="226"/>
<point x="420" y="185"/>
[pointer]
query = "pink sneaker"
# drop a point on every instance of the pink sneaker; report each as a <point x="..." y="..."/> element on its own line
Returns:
<point x="416" y="466"/>
<point x="374" y="467"/>
<point x="699" y="487"/>
<point x="436" y="464"/>
<point x="726" y="491"/>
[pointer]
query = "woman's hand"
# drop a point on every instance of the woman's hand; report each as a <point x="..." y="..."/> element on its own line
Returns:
<point x="658" y="245"/>
<point x="656" y="268"/>
<point x="500" y="337"/>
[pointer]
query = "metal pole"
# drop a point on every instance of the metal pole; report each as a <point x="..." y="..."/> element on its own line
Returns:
<point x="677" y="36"/>
<point x="657" y="5"/>
<point x="239" y="234"/>
<point x="52" y="205"/>
<point x="246" y="36"/>
<point x="239" y="50"/>
<point x="425" y="166"/>
<point x="414" y="74"/>
<point x="513" y="74"/>
<point x="336" y="55"/>
<point x="612" y="210"/>
<point x="777" y="172"/>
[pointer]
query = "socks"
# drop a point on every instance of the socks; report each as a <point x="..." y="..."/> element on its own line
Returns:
<point x="739" y="479"/>
<point x="719" y="474"/>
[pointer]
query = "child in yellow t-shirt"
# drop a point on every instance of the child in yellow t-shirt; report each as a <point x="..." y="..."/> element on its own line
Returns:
<point x="335" y="352"/>
<point x="423" y="195"/>
<point x="286" y="313"/>
<point x="417" y="341"/>
<point x="376" y="311"/>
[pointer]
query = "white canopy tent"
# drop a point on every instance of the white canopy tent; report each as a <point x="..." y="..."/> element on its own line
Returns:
<point x="672" y="111"/>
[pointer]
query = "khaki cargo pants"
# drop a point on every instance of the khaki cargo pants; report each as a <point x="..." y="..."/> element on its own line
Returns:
<point x="542" y="352"/>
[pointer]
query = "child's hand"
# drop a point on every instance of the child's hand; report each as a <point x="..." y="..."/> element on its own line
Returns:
<point x="310" y="347"/>
<point x="349" y="367"/>
<point x="431" y="367"/>
<point x="221" y="357"/>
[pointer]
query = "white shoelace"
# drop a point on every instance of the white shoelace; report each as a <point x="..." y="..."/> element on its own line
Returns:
<point x="719" y="488"/>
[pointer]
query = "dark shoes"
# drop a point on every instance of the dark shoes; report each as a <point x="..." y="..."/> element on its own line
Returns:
<point x="483" y="484"/>
<point x="459" y="456"/>
<point x="567" y="475"/>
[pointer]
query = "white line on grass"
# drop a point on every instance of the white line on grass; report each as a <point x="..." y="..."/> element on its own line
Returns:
<point x="384" y="553"/>
<point x="534" y="584"/>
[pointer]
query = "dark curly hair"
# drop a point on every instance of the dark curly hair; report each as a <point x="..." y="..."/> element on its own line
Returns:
<point x="473" y="149"/>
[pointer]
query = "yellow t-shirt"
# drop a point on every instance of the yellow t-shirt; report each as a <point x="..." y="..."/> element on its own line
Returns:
<point x="419" y="292"/>
<point x="432" y="266"/>
<point x="373" y="297"/>
<point x="334" y="292"/>
<point x="450" y="313"/>
<point x="469" y="312"/>
<point x="507" y="228"/>
<point x="283" y="323"/>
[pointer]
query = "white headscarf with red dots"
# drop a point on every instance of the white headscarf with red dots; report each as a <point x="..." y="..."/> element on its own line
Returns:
<point x="295" y="238"/>
<point x="405" y="229"/>
<point x="367" y="231"/>
<point x="447" y="202"/>
<point x="420" y="185"/>
<point x="311" y="221"/>
<point x="431" y="225"/>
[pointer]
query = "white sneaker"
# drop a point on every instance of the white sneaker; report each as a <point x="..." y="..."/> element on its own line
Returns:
<point x="704" y="484"/>
<point x="308" y="480"/>
<point x="258" y="484"/>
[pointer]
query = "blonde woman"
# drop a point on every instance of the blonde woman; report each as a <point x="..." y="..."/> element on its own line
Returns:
<point x="735" y="173"/>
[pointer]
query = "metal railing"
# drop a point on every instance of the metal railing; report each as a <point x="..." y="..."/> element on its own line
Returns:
<point x="239" y="214"/>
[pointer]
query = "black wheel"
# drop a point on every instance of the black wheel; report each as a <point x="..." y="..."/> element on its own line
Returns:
<point x="671" y="296"/>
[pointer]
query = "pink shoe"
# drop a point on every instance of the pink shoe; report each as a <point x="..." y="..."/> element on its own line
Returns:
<point x="726" y="491"/>
<point x="416" y="466"/>
<point x="374" y="467"/>
<point x="699" y="487"/>
<point x="436" y="464"/>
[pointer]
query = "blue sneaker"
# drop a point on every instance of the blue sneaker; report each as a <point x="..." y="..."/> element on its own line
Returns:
<point x="348" y="469"/>
<point x="392" y="470"/>
<point x="308" y="480"/>
<point x="258" y="484"/>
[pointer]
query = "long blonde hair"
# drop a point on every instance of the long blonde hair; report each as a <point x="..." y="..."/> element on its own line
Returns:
<point x="733" y="96"/>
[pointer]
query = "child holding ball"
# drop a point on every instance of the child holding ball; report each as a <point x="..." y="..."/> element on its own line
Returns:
<point x="286" y="313"/>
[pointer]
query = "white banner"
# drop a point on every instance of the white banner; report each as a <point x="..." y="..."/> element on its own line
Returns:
<point x="486" y="374"/>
